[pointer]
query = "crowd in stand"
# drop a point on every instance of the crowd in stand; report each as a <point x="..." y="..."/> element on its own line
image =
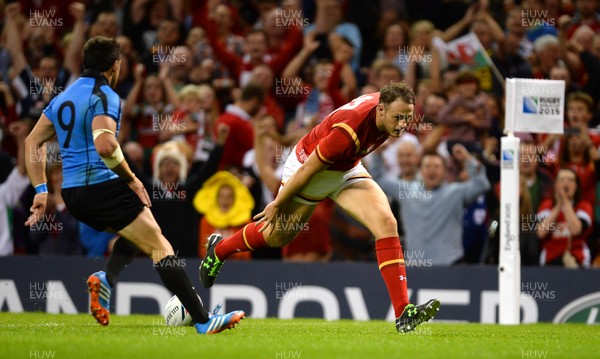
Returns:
<point x="216" y="93"/>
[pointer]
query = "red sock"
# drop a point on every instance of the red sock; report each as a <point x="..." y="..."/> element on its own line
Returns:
<point x="244" y="240"/>
<point x="393" y="271"/>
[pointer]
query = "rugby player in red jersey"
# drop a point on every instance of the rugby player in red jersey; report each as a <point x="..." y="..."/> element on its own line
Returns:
<point x="326" y="163"/>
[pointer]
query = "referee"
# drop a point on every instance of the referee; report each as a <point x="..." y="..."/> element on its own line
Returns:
<point x="99" y="188"/>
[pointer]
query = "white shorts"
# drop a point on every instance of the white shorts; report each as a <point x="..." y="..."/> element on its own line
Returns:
<point x="324" y="184"/>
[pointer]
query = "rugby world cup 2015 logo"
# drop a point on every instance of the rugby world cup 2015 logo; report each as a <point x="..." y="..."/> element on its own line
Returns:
<point x="508" y="159"/>
<point x="531" y="104"/>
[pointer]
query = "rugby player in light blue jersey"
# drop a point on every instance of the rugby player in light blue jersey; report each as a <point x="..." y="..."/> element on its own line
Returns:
<point x="100" y="190"/>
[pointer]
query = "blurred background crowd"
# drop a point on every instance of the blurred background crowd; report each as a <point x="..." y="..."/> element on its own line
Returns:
<point x="216" y="93"/>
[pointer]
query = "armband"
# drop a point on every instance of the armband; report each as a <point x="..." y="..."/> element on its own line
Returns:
<point x="98" y="132"/>
<point x="115" y="159"/>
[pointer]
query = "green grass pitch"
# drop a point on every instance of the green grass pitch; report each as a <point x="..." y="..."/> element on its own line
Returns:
<point x="40" y="335"/>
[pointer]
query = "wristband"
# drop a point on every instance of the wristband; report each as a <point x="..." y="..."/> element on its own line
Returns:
<point x="41" y="188"/>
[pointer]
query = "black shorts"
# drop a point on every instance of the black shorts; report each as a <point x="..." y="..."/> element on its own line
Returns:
<point x="110" y="205"/>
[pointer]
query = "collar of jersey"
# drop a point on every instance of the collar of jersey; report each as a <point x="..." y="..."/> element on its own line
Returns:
<point x="95" y="74"/>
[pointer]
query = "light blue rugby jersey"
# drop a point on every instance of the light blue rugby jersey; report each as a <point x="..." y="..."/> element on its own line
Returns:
<point x="72" y="113"/>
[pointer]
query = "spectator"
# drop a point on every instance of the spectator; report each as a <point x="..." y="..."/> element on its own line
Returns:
<point x="394" y="42"/>
<point x="586" y="14"/>
<point x="38" y="85"/>
<point x="172" y="191"/>
<point x="163" y="50"/>
<point x="148" y="108"/>
<point x="589" y="55"/>
<point x="106" y="25"/>
<point x="566" y="221"/>
<point x="263" y="76"/>
<point x="13" y="187"/>
<point x="186" y="119"/>
<point x="428" y="62"/>
<point x="324" y="93"/>
<point x="329" y="18"/>
<point x="466" y="114"/>
<point x="238" y="117"/>
<point x="546" y="55"/>
<point x="386" y="73"/>
<point x="440" y="240"/>
<point x="537" y="179"/>
<point x="576" y="154"/>
<point x="226" y="206"/>
<point x="142" y="21"/>
<point x="405" y="168"/>
<point x="256" y="53"/>
<point x="432" y="139"/>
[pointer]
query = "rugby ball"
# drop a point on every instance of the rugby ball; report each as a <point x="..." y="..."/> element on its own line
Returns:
<point x="175" y="313"/>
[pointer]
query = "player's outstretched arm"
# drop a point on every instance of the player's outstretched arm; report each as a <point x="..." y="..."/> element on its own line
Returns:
<point x="36" y="165"/>
<point x="107" y="146"/>
<point x="296" y="183"/>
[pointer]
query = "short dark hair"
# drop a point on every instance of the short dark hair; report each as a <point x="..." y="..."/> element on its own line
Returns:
<point x="432" y="154"/>
<point x="100" y="53"/>
<point x="581" y="96"/>
<point x="252" y="91"/>
<point x="391" y="92"/>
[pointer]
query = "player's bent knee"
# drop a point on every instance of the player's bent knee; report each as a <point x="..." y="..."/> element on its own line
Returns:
<point x="280" y="239"/>
<point x="387" y="227"/>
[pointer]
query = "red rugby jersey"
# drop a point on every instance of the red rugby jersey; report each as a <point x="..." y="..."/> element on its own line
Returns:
<point x="555" y="243"/>
<point x="345" y="136"/>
